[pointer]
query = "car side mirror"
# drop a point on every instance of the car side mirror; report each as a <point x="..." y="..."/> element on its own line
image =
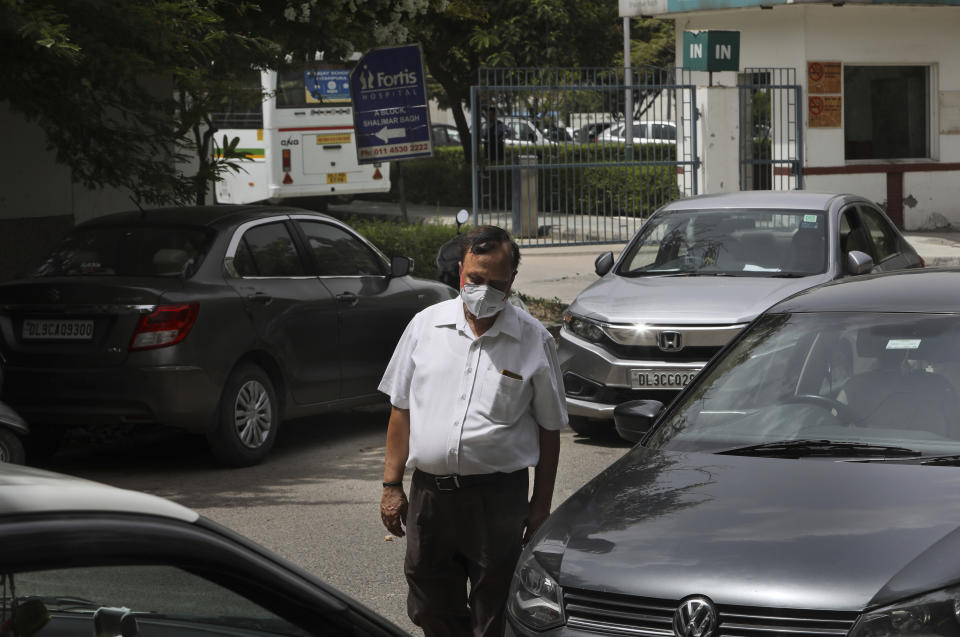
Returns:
<point x="859" y="262"/>
<point x="634" y="418"/>
<point x="603" y="263"/>
<point x="400" y="266"/>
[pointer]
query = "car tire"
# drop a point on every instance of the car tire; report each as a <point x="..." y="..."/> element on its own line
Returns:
<point x="11" y="449"/>
<point x="590" y="427"/>
<point x="247" y="418"/>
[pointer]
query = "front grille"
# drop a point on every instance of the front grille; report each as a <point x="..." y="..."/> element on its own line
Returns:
<point x="696" y="354"/>
<point x="612" y="614"/>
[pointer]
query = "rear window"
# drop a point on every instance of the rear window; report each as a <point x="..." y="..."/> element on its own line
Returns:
<point x="164" y="251"/>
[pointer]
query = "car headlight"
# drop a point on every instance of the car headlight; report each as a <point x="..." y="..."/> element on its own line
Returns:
<point x="936" y="613"/>
<point x="535" y="597"/>
<point x="583" y="327"/>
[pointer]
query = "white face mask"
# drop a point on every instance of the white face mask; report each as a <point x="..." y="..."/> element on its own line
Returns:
<point x="483" y="301"/>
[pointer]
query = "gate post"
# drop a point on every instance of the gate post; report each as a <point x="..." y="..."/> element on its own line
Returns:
<point x="720" y="138"/>
<point x="525" y="196"/>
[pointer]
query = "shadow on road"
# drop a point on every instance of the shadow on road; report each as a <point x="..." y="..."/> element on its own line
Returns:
<point x="341" y="446"/>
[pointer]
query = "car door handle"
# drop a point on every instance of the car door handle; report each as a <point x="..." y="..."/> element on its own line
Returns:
<point x="348" y="298"/>
<point x="260" y="297"/>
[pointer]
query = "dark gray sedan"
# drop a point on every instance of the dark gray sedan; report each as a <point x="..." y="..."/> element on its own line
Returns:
<point x="219" y="320"/>
<point x="807" y="483"/>
<point x="697" y="272"/>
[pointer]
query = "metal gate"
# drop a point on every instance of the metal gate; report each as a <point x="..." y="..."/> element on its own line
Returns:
<point x="556" y="161"/>
<point x="771" y="130"/>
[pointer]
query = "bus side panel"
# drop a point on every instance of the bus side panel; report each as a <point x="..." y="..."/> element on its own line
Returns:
<point x="252" y="182"/>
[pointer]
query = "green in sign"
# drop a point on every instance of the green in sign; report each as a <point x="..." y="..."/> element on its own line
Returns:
<point x="711" y="50"/>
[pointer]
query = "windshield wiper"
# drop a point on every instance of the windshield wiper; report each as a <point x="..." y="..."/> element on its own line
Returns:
<point x="63" y="603"/>
<point x="945" y="461"/>
<point x="825" y="448"/>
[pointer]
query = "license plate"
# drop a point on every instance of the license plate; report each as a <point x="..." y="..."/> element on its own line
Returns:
<point x="57" y="330"/>
<point x="336" y="178"/>
<point x="661" y="378"/>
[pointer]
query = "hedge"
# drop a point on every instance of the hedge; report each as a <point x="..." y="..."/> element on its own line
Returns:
<point x="419" y="241"/>
<point x="608" y="186"/>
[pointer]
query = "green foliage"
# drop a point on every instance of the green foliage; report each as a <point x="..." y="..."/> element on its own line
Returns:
<point x="419" y="241"/>
<point x="443" y="180"/>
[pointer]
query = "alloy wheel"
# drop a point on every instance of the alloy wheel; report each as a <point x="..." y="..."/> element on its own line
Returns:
<point x="253" y="414"/>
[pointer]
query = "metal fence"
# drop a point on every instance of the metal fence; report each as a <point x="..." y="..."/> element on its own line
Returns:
<point x="557" y="161"/>
<point x="771" y="130"/>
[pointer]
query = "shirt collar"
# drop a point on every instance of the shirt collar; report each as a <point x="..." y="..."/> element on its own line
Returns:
<point x="508" y="321"/>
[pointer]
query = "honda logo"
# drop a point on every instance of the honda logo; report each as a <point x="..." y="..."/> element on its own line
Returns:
<point x="670" y="341"/>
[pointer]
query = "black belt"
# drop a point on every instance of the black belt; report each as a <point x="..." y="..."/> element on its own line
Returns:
<point x="454" y="481"/>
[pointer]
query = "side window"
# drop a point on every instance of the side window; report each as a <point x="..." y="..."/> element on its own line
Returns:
<point x="852" y="234"/>
<point x="268" y="250"/>
<point x="884" y="241"/>
<point x="339" y="253"/>
<point x="163" y="597"/>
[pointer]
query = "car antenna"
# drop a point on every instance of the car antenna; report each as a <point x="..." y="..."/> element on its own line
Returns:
<point x="137" y="204"/>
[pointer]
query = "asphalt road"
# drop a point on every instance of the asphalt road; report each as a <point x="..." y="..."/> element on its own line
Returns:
<point x="315" y="500"/>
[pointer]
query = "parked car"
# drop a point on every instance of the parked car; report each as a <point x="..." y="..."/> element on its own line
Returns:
<point x="589" y="132"/>
<point x="695" y="274"/>
<point x="444" y="135"/>
<point x="521" y="131"/>
<point x="558" y="133"/>
<point x="220" y="320"/>
<point x="81" y="558"/>
<point x="647" y="132"/>
<point x="804" y="484"/>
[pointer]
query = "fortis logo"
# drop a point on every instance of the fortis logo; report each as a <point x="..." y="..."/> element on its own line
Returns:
<point x="371" y="82"/>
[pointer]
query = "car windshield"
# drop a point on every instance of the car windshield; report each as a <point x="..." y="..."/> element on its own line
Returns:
<point x="145" y="251"/>
<point x="732" y="242"/>
<point x="869" y="378"/>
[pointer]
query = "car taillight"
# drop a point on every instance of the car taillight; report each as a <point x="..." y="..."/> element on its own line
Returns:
<point x="165" y="325"/>
<point x="285" y="159"/>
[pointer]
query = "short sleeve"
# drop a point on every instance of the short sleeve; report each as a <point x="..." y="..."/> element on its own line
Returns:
<point x="396" y="380"/>
<point x="549" y="404"/>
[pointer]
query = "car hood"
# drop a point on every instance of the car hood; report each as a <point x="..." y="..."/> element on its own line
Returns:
<point x="685" y="299"/>
<point x="811" y="533"/>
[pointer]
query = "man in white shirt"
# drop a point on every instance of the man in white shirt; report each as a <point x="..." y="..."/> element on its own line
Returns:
<point x="477" y="399"/>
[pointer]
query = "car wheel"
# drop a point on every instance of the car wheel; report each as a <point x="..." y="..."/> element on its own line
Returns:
<point x="247" y="419"/>
<point x="590" y="427"/>
<point x="11" y="449"/>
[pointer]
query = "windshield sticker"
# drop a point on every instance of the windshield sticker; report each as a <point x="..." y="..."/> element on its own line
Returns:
<point x="749" y="267"/>
<point x="810" y="221"/>
<point x="903" y="343"/>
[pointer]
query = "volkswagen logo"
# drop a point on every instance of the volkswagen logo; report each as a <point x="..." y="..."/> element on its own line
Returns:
<point x="696" y="617"/>
<point x="670" y="341"/>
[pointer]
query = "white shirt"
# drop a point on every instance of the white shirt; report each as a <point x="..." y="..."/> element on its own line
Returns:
<point x="466" y="416"/>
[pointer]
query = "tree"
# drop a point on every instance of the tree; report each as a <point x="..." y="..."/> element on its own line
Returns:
<point x="123" y="88"/>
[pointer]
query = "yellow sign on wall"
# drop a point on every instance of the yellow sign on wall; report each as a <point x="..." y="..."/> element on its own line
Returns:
<point x="825" y="111"/>
<point x="333" y="138"/>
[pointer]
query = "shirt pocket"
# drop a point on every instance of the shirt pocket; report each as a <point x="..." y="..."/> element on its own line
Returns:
<point x="501" y="398"/>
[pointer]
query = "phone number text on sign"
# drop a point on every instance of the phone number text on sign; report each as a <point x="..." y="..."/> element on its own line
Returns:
<point x="394" y="149"/>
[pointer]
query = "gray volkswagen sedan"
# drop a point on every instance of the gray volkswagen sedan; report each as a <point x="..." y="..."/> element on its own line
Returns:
<point x="807" y="483"/>
<point x="697" y="272"/>
<point x="221" y="320"/>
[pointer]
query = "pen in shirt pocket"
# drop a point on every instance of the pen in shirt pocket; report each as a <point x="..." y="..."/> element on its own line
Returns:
<point x="509" y="374"/>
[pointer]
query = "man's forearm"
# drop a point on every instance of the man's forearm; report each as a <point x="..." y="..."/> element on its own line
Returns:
<point x="398" y="445"/>
<point x="545" y="473"/>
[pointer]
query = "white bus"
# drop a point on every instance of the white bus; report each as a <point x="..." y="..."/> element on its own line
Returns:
<point x="300" y="142"/>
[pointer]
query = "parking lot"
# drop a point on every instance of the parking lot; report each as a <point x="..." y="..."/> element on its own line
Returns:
<point x="315" y="500"/>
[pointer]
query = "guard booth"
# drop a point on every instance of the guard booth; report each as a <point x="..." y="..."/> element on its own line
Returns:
<point x="876" y="105"/>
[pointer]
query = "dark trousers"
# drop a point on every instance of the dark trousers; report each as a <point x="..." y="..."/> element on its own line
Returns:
<point x="471" y="533"/>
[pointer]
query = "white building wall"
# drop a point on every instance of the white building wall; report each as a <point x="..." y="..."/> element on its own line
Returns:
<point x="792" y="35"/>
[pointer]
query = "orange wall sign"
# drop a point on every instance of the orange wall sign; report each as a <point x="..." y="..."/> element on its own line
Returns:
<point x="824" y="111"/>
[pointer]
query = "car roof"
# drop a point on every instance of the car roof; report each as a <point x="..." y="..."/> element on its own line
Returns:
<point x="195" y="215"/>
<point x="25" y="490"/>
<point x="930" y="291"/>
<point x="784" y="199"/>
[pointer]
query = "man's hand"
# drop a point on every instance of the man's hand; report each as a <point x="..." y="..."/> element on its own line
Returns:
<point x="535" y="518"/>
<point x="393" y="510"/>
